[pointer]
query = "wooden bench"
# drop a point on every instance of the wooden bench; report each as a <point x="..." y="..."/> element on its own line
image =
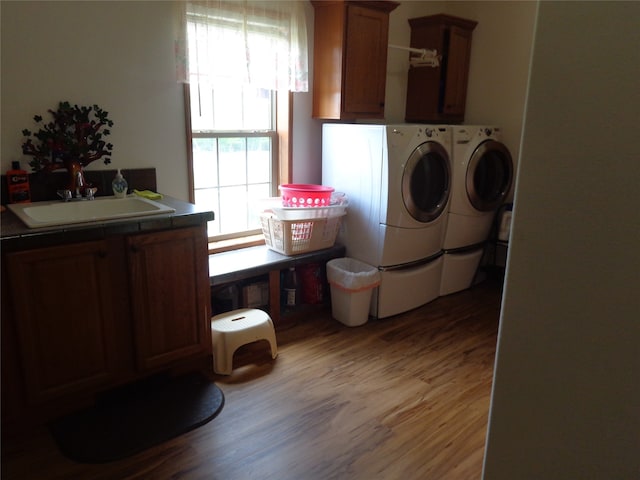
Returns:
<point x="237" y="265"/>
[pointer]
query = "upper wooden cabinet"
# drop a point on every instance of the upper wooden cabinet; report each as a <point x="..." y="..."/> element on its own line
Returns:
<point x="350" y="58"/>
<point x="438" y="95"/>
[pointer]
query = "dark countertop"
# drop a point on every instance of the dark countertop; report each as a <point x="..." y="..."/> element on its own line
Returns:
<point x="14" y="232"/>
<point x="225" y="267"/>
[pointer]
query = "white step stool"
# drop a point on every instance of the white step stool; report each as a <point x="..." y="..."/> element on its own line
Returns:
<point x="231" y="330"/>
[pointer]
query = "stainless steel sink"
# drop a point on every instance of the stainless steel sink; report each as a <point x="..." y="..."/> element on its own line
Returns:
<point x="57" y="213"/>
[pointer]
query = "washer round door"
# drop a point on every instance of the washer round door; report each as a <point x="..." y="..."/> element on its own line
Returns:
<point x="426" y="182"/>
<point x="489" y="175"/>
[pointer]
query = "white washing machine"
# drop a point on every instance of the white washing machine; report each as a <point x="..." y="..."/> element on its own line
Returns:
<point x="397" y="179"/>
<point x="482" y="174"/>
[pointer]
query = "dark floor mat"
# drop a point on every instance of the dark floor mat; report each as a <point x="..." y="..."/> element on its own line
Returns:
<point x="134" y="418"/>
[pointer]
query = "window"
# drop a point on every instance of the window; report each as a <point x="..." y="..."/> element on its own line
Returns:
<point x="239" y="54"/>
<point x="234" y="155"/>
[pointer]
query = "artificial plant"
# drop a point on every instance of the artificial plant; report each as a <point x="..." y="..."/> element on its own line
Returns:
<point x="75" y="136"/>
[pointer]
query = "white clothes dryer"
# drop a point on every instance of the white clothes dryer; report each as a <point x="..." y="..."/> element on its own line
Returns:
<point x="397" y="179"/>
<point x="482" y="170"/>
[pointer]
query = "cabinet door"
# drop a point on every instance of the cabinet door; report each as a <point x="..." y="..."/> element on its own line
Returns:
<point x="365" y="62"/>
<point x="63" y="306"/>
<point x="424" y="82"/>
<point x="328" y="50"/>
<point x="169" y="295"/>
<point x="455" y="92"/>
<point x="439" y="94"/>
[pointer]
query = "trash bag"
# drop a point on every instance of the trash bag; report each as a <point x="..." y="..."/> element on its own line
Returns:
<point x="352" y="275"/>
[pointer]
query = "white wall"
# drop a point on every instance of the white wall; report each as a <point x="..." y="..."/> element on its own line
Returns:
<point x="566" y="397"/>
<point x="306" y="132"/>
<point x="119" y="55"/>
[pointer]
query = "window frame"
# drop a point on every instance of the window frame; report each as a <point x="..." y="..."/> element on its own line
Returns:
<point x="282" y="157"/>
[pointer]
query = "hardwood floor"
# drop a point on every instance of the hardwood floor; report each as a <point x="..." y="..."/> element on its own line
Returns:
<point x="400" y="398"/>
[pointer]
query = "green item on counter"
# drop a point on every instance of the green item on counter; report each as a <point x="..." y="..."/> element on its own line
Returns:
<point x="148" y="194"/>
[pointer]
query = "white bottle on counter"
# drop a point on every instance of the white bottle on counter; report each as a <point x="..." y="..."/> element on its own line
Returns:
<point x="119" y="186"/>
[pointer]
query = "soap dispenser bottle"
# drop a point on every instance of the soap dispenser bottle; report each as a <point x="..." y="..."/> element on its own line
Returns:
<point x="119" y="185"/>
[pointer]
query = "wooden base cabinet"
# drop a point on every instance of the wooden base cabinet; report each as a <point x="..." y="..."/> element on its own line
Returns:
<point x="170" y="297"/>
<point x="66" y="318"/>
<point x="350" y="58"/>
<point x="439" y="95"/>
<point x="94" y="314"/>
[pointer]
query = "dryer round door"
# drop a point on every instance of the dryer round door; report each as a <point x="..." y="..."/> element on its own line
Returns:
<point x="426" y="182"/>
<point x="489" y="175"/>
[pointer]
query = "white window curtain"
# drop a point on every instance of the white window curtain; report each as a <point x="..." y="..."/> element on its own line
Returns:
<point x="257" y="43"/>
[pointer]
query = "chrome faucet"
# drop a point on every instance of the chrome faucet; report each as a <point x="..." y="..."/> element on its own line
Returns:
<point x="89" y="192"/>
<point x="79" y="184"/>
<point x="65" y="195"/>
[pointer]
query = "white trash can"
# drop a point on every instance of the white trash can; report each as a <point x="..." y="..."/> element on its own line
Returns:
<point x="352" y="283"/>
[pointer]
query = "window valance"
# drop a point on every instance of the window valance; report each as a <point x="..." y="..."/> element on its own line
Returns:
<point x="259" y="43"/>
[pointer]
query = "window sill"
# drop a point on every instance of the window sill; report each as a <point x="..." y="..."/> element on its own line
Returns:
<point x="236" y="243"/>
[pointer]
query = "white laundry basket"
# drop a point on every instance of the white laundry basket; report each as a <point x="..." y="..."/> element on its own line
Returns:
<point x="352" y="283"/>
